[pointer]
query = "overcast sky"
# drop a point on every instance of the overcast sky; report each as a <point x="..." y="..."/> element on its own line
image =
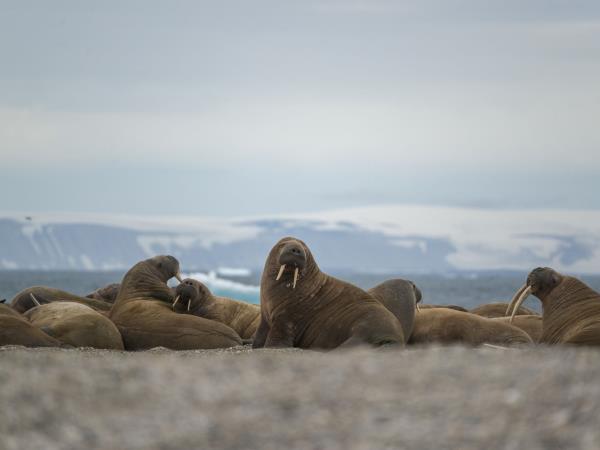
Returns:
<point x="242" y="107"/>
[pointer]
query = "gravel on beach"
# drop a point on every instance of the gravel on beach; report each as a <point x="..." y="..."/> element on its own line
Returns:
<point x="428" y="397"/>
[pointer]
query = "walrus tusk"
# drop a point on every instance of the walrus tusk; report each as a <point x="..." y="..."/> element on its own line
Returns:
<point x="189" y="303"/>
<point x="175" y="302"/>
<point x="34" y="299"/>
<point x="522" y="298"/>
<point x="281" y="269"/>
<point x="514" y="299"/>
<point x="295" y="278"/>
<point x="178" y="276"/>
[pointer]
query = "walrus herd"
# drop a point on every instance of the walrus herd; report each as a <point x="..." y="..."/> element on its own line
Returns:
<point x="300" y="306"/>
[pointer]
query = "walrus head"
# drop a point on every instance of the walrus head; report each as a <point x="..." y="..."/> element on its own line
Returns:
<point x="108" y="293"/>
<point x="540" y="282"/>
<point x="292" y="257"/>
<point x="191" y="295"/>
<point x="166" y="267"/>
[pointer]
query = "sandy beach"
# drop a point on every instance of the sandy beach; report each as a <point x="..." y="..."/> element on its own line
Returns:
<point x="435" y="397"/>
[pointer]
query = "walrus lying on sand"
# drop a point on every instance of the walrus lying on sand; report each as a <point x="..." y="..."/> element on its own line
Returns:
<point x="40" y="295"/>
<point x="144" y="315"/>
<point x="76" y="324"/>
<point x="571" y="309"/>
<point x="304" y="307"/>
<point x="446" y="326"/>
<point x="498" y="309"/>
<point x="107" y="293"/>
<point x="16" y="330"/>
<point x="454" y="307"/>
<point x="530" y="324"/>
<point x="400" y="297"/>
<point x="195" y="298"/>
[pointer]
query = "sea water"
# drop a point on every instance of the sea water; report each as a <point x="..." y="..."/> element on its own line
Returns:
<point x="467" y="290"/>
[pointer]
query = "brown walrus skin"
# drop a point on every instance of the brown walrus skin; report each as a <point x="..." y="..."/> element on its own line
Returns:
<point x="530" y="324"/>
<point x="307" y="308"/>
<point x="23" y="301"/>
<point x="400" y="297"/>
<point x="107" y="293"/>
<point x="571" y="309"/>
<point x="16" y="330"/>
<point x="454" y="307"/>
<point x="242" y="317"/>
<point x="144" y="315"/>
<point x="76" y="325"/>
<point x="498" y="309"/>
<point x="446" y="326"/>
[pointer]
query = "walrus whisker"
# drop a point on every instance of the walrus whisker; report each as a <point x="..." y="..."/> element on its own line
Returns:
<point x="34" y="299"/>
<point x="295" y="278"/>
<point x="522" y="298"/>
<point x="281" y="269"/>
<point x="514" y="299"/>
<point x="175" y="302"/>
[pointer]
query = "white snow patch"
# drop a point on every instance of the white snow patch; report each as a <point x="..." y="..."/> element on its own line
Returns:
<point x="213" y="282"/>
<point x="234" y="272"/>
<point x="86" y="262"/>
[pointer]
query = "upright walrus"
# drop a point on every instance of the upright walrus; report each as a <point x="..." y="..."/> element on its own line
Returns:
<point x="195" y="298"/>
<point x="400" y="297"/>
<point x="40" y="295"/>
<point x="16" y="330"/>
<point x="304" y="307"/>
<point x="570" y="308"/>
<point x="144" y="314"/>
<point x="76" y="324"/>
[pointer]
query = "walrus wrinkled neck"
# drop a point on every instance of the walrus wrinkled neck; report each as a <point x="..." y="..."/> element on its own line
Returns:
<point x="570" y="302"/>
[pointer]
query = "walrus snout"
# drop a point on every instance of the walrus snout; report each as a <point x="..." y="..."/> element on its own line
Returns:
<point x="293" y="254"/>
<point x="292" y="257"/>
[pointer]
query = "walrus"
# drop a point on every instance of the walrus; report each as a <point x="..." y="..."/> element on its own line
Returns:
<point x="400" y="297"/>
<point x="530" y="324"/>
<point x="570" y="308"/>
<point x="195" y="298"/>
<point x="40" y="295"/>
<point x="454" y="307"/>
<point x="76" y="325"/>
<point x="304" y="307"/>
<point x="447" y="326"/>
<point x="16" y="330"/>
<point x="107" y="293"/>
<point x="144" y="315"/>
<point x="498" y="309"/>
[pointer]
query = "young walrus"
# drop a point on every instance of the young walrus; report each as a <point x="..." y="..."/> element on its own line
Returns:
<point x="498" y="309"/>
<point x="76" y="325"/>
<point x="570" y="308"/>
<point x="16" y="330"/>
<point x="400" y="297"/>
<point x="144" y="314"/>
<point x="304" y="307"/>
<point x="447" y="326"/>
<point x="40" y="295"/>
<point x="107" y="293"/>
<point x="195" y="298"/>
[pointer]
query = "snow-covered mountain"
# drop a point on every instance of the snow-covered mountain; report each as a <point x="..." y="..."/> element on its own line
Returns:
<point x="400" y="239"/>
